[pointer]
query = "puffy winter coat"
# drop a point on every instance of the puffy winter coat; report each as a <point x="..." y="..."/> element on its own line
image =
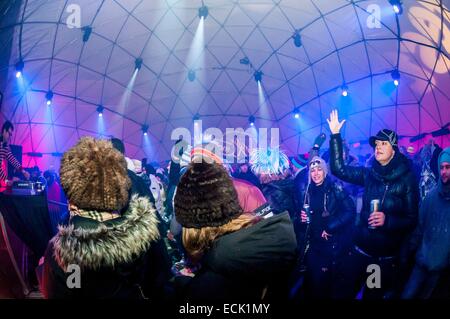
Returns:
<point x="123" y="258"/>
<point x="341" y="212"/>
<point x="396" y="188"/>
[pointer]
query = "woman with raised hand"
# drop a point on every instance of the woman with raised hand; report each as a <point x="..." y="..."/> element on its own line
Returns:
<point x="388" y="215"/>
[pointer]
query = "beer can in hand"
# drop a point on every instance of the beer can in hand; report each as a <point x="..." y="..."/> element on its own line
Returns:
<point x="374" y="207"/>
<point x="308" y="213"/>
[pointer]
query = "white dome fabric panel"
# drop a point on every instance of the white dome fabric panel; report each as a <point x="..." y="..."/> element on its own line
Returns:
<point x="342" y="43"/>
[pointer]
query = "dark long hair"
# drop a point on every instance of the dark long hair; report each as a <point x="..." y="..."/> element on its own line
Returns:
<point x="6" y="127"/>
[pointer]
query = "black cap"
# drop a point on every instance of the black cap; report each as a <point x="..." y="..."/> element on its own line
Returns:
<point x="384" y="135"/>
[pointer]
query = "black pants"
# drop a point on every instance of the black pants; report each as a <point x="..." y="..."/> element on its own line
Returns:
<point x="354" y="276"/>
<point x="321" y="279"/>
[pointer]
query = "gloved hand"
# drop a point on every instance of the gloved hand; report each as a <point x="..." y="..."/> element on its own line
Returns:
<point x="319" y="140"/>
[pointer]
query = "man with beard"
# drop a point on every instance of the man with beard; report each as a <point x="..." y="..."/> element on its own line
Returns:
<point x="432" y="238"/>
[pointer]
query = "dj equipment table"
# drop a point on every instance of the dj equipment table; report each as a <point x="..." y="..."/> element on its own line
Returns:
<point x="25" y="230"/>
<point x="28" y="217"/>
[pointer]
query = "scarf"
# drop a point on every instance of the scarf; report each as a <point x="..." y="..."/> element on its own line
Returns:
<point x="93" y="214"/>
<point x="396" y="167"/>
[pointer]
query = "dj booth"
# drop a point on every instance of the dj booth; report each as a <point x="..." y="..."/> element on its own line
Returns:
<point x="28" y="217"/>
<point x="25" y="230"/>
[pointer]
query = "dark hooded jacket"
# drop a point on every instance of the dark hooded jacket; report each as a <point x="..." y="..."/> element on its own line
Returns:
<point x="120" y="258"/>
<point x="396" y="188"/>
<point x="250" y="264"/>
<point x="432" y="235"/>
<point x="249" y="177"/>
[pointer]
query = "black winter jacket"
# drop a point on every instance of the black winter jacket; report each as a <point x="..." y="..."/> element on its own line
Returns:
<point x="341" y="210"/>
<point x="281" y="196"/>
<point x="242" y="264"/>
<point x="123" y="258"/>
<point x="395" y="183"/>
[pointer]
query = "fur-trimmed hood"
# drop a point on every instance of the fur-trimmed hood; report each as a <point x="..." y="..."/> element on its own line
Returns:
<point x="109" y="244"/>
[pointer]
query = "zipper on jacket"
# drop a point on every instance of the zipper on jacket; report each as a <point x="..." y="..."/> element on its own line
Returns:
<point x="386" y="187"/>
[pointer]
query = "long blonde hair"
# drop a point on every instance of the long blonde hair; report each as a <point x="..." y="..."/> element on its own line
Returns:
<point x="197" y="240"/>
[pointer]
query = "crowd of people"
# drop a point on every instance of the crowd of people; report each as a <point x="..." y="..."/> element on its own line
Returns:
<point x="309" y="227"/>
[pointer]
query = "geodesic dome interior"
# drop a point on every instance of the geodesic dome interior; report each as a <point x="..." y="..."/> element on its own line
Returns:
<point x="356" y="44"/>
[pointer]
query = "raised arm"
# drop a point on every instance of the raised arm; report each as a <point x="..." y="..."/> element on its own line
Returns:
<point x="351" y="174"/>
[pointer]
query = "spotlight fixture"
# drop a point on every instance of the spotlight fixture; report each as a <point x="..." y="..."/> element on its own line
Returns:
<point x="203" y="12"/>
<point x="145" y="129"/>
<point x="86" y="33"/>
<point x="100" y="109"/>
<point x="138" y="63"/>
<point x="244" y="61"/>
<point x="395" y="74"/>
<point x="251" y="120"/>
<point x="195" y="118"/>
<point x="258" y="76"/>
<point x="396" y="6"/>
<point x="344" y="90"/>
<point x="296" y="113"/>
<point x="191" y="75"/>
<point x="19" y="68"/>
<point x="49" y="97"/>
<point x="297" y="39"/>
